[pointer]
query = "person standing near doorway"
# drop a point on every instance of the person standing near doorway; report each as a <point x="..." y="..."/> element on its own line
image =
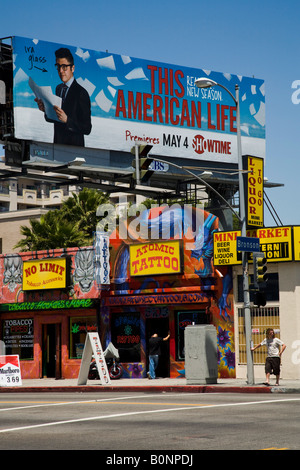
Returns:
<point x="275" y="349"/>
<point x="154" y="353"/>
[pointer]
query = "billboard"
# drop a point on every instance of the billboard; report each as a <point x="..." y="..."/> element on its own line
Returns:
<point x="120" y="99"/>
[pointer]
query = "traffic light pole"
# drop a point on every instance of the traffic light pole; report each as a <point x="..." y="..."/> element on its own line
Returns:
<point x="246" y="294"/>
<point x="137" y="163"/>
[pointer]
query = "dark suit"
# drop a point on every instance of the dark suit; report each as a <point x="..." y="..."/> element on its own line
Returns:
<point x="77" y="107"/>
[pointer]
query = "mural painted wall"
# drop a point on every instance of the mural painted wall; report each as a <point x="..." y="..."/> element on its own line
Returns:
<point x="81" y="282"/>
<point x="136" y="302"/>
<point x="199" y="286"/>
<point x="24" y="314"/>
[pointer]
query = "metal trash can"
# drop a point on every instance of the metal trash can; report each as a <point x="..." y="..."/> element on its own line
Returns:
<point x="201" y="358"/>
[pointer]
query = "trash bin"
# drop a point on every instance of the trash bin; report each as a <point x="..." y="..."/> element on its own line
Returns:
<point x="201" y="358"/>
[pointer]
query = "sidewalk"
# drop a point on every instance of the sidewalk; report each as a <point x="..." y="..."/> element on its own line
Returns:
<point x="159" y="385"/>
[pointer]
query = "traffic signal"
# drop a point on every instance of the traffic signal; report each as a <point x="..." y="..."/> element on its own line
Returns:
<point x="259" y="269"/>
<point x="141" y="163"/>
<point x="260" y="278"/>
<point x="259" y="299"/>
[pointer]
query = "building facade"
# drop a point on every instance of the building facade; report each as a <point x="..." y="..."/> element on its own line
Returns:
<point x="156" y="285"/>
<point x="162" y="279"/>
<point x="281" y="313"/>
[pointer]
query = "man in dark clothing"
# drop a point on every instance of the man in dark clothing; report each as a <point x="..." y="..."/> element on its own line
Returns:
<point x="154" y="353"/>
<point x="74" y="116"/>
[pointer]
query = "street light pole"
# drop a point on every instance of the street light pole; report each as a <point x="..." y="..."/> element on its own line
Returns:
<point x="207" y="83"/>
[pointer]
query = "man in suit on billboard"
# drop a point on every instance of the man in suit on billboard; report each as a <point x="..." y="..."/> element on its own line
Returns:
<point x="74" y="116"/>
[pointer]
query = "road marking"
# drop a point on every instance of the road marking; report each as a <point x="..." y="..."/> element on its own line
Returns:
<point x="59" y="403"/>
<point x="276" y="448"/>
<point x="51" y="403"/>
<point x="139" y="413"/>
<point x="156" y="403"/>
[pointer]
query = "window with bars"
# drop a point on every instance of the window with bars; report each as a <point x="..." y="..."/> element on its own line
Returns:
<point x="261" y="319"/>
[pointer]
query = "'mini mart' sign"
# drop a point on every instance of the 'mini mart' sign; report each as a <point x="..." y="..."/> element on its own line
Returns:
<point x="278" y="243"/>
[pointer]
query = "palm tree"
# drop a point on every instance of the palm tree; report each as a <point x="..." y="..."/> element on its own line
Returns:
<point x="72" y="225"/>
<point x="49" y="233"/>
<point x="81" y="209"/>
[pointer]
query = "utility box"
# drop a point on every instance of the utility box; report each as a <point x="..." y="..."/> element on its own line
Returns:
<point x="201" y="357"/>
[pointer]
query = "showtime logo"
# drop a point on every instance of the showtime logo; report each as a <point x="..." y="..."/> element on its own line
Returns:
<point x="201" y="145"/>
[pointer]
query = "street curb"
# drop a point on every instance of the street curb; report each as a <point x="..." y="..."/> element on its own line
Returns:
<point x="153" y="389"/>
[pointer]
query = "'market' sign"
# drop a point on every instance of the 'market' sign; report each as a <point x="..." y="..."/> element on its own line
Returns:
<point x="277" y="243"/>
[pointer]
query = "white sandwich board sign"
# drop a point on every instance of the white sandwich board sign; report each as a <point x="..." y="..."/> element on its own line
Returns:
<point x="93" y="347"/>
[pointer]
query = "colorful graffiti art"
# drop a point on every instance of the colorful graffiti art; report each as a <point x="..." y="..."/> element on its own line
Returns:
<point x="198" y="284"/>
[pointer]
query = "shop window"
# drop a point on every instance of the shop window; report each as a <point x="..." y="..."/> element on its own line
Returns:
<point x="184" y="319"/>
<point x="17" y="336"/>
<point x="79" y="327"/>
<point x="126" y="336"/>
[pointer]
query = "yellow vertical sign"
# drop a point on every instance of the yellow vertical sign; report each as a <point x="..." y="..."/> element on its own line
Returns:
<point x="296" y="243"/>
<point x="255" y="191"/>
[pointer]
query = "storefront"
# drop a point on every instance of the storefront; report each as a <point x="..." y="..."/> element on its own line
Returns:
<point x="156" y="285"/>
<point x="164" y="284"/>
<point x="48" y="303"/>
<point x="49" y="342"/>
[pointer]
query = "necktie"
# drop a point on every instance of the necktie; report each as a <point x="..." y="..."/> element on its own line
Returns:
<point x="63" y="93"/>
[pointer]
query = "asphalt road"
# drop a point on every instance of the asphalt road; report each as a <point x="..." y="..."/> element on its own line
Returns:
<point x="148" y="421"/>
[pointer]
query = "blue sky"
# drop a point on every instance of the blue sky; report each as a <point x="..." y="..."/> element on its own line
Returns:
<point x="249" y="38"/>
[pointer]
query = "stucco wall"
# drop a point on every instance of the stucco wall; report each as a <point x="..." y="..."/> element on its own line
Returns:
<point x="289" y="305"/>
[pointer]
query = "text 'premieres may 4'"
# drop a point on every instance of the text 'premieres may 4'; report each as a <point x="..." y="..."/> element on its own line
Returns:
<point x="141" y="100"/>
